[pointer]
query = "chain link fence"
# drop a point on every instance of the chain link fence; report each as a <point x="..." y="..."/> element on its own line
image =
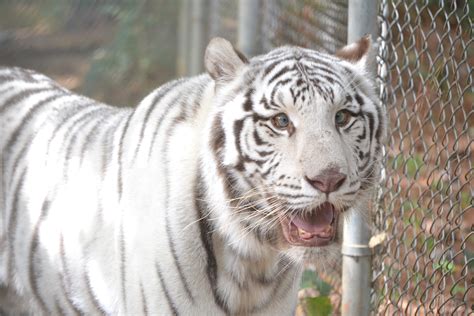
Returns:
<point x="425" y="203"/>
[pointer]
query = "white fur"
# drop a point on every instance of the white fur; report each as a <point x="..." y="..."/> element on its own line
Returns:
<point x="69" y="257"/>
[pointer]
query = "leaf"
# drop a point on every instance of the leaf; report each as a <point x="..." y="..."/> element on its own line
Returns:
<point x="308" y="280"/>
<point x="318" y="306"/>
<point x="311" y="280"/>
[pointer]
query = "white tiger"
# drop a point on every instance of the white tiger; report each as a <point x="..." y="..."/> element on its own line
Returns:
<point x="203" y="200"/>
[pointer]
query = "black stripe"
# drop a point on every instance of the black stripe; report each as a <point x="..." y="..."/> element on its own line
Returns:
<point x="206" y="229"/>
<point x="171" y="304"/>
<point x="158" y="97"/>
<point x="144" y="302"/>
<point x="14" y="136"/>
<point x="180" y="117"/>
<point x="280" y="73"/>
<point x="266" y="105"/>
<point x="108" y="145"/>
<point x="346" y="129"/>
<point x="248" y="100"/>
<point x="58" y="308"/>
<point x="160" y="123"/>
<point x="92" y="133"/>
<point x="16" y="162"/>
<point x="77" y="109"/>
<point x="65" y="279"/>
<point x="258" y="140"/>
<point x="371" y="125"/>
<point x="364" y="133"/>
<point x="276" y="88"/>
<point x="26" y="146"/>
<point x="278" y="290"/>
<point x="184" y="103"/>
<point x="378" y="130"/>
<point x="291" y="186"/>
<point x="275" y="63"/>
<point x="238" y="125"/>
<point x="72" y="141"/>
<point x="326" y="63"/>
<point x="32" y="273"/>
<point x="92" y="296"/>
<point x="296" y="196"/>
<point x="120" y="156"/>
<point x="19" y="97"/>
<point x="359" y="99"/>
<point x="314" y="69"/>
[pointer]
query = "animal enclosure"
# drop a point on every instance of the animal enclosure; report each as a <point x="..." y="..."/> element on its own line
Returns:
<point x="118" y="51"/>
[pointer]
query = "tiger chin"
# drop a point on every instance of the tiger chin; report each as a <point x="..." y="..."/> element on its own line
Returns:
<point x="205" y="199"/>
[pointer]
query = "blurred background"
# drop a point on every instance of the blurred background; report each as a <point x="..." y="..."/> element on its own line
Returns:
<point x="117" y="51"/>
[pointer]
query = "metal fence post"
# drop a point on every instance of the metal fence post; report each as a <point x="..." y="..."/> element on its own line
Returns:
<point x="356" y="260"/>
<point x="196" y="59"/>
<point x="248" y="26"/>
<point x="182" y="60"/>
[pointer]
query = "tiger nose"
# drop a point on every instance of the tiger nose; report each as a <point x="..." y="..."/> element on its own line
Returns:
<point x="329" y="180"/>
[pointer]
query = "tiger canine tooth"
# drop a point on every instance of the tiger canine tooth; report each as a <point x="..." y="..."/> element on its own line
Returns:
<point x="303" y="233"/>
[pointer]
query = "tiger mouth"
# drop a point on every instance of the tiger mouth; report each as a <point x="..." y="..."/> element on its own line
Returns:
<point x="317" y="229"/>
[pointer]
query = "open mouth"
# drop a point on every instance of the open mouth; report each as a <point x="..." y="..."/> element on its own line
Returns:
<point x="315" y="229"/>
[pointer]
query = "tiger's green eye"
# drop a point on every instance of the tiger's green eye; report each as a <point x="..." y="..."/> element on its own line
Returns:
<point x="281" y="120"/>
<point x="342" y="118"/>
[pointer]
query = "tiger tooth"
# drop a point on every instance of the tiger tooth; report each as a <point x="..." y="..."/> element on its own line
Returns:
<point x="303" y="233"/>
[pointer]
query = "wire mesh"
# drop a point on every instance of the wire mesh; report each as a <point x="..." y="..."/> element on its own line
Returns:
<point x="223" y="19"/>
<point x="314" y="24"/>
<point x="425" y="203"/>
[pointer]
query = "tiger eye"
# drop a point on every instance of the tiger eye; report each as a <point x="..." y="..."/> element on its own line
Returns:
<point x="342" y="118"/>
<point x="281" y="121"/>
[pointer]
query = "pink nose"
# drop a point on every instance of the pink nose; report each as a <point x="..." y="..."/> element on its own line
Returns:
<point x="329" y="180"/>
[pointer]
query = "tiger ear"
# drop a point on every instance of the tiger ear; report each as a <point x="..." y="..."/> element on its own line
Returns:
<point x="357" y="53"/>
<point x="222" y="60"/>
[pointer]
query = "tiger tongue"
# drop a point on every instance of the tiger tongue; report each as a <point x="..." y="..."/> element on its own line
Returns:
<point x="318" y="221"/>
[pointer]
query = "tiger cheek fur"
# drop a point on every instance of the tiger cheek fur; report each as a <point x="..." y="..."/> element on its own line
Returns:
<point x="204" y="200"/>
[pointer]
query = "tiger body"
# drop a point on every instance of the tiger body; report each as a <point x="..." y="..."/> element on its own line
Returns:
<point x="158" y="210"/>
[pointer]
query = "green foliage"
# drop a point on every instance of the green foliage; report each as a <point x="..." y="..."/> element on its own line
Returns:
<point x="445" y="266"/>
<point x="440" y="185"/>
<point x="318" y="306"/>
<point x="469" y="258"/>
<point x="458" y="289"/>
<point x="410" y="165"/>
<point x="429" y="243"/>
<point x="142" y="53"/>
<point x="466" y="200"/>
<point x="311" y="280"/>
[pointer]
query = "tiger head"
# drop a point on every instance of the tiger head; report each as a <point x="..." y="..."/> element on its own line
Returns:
<point x="296" y="136"/>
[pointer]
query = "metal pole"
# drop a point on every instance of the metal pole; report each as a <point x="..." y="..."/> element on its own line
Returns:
<point x="197" y="37"/>
<point x="248" y="26"/>
<point x="182" y="62"/>
<point x="356" y="260"/>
